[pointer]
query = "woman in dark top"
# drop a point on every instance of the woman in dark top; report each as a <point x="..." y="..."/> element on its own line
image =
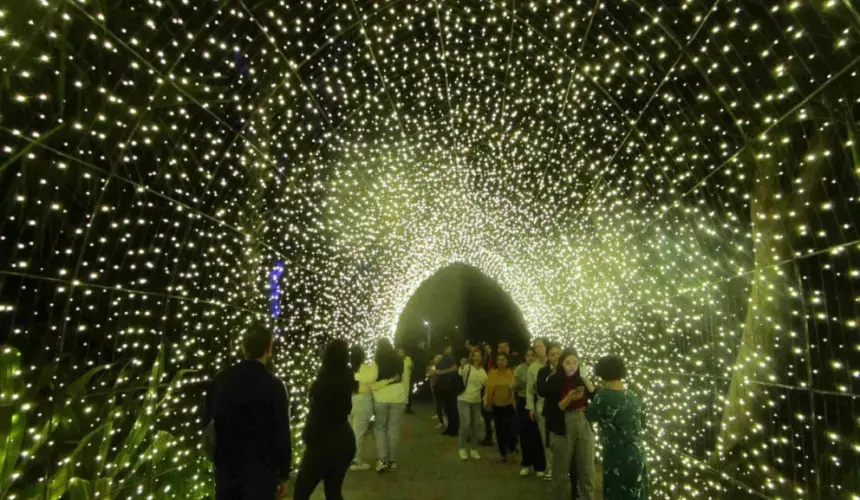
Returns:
<point x="329" y="440"/>
<point x="566" y="395"/>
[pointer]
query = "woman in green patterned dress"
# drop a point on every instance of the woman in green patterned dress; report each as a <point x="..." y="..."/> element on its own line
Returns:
<point x="619" y="414"/>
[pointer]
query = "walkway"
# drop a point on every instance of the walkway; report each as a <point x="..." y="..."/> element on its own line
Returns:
<point x="429" y="469"/>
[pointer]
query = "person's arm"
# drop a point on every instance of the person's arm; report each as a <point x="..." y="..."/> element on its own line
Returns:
<point x="281" y="428"/>
<point x="531" y="391"/>
<point x="594" y="409"/>
<point x="588" y="385"/>
<point x="490" y="384"/>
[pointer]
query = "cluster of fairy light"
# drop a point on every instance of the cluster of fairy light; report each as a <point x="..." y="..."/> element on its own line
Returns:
<point x="311" y="164"/>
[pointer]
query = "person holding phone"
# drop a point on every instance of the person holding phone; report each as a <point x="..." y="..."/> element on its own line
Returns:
<point x="571" y="437"/>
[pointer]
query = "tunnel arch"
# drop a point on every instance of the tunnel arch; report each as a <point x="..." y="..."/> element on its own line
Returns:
<point x="674" y="183"/>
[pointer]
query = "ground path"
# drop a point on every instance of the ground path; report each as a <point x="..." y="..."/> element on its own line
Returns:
<point x="430" y="469"/>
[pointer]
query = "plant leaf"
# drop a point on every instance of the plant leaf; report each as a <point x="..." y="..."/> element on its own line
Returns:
<point x="145" y="416"/>
<point x="61" y="479"/>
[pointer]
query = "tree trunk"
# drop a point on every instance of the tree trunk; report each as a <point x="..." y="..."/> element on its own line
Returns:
<point x="774" y="340"/>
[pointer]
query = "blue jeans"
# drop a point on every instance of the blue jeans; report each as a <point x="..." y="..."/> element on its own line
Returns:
<point x="387" y="428"/>
<point x="470" y="415"/>
<point x="362" y="410"/>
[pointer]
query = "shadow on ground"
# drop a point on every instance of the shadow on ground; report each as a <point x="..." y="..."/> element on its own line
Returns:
<point x="429" y="469"/>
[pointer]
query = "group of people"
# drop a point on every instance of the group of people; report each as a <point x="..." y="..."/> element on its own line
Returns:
<point x="544" y="406"/>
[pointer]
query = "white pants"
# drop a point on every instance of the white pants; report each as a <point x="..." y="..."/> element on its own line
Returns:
<point x="359" y="419"/>
<point x="387" y="428"/>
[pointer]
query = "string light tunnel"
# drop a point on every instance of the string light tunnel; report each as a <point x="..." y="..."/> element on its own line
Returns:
<point x="676" y="182"/>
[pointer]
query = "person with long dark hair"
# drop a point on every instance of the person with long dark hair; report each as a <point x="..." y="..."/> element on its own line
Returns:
<point x="389" y="403"/>
<point x="362" y="402"/>
<point x="329" y="440"/>
<point x="566" y="394"/>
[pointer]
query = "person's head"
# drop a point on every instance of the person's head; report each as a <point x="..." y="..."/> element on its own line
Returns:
<point x="401" y="352"/>
<point x="610" y="368"/>
<point x="447" y="350"/>
<point x="257" y="343"/>
<point x="569" y="362"/>
<point x="502" y="361"/>
<point x="541" y="345"/>
<point x="336" y="357"/>
<point x="530" y="356"/>
<point x="476" y="357"/>
<point x="504" y="347"/>
<point x="488" y="349"/>
<point x="356" y="357"/>
<point x="384" y="348"/>
<point x="553" y="353"/>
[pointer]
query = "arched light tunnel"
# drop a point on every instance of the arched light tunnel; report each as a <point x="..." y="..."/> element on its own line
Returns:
<point x="673" y="182"/>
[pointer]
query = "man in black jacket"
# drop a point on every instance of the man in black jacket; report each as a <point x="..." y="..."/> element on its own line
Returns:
<point x="249" y="404"/>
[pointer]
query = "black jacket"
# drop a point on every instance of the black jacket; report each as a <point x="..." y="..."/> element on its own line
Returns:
<point x="252" y="425"/>
<point x="330" y="405"/>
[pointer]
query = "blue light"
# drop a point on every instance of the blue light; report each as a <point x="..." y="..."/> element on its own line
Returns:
<point x="275" y="294"/>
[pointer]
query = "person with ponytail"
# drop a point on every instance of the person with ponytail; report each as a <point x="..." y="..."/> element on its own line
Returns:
<point x="362" y="402"/>
<point x="571" y="438"/>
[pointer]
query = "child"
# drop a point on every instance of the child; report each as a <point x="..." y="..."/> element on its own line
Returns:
<point x="619" y="413"/>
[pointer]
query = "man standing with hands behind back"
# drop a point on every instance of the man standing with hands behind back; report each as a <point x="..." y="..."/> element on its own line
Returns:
<point x="248" y="403"/>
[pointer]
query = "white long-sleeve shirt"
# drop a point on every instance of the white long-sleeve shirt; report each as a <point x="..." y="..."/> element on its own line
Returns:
<point x="475" y="380"/>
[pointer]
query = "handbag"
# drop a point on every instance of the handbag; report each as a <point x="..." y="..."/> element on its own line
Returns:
<point x="459" y="384"/>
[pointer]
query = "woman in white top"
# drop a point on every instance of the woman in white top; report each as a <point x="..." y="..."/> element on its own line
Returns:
<point x="469" y="403"/>
<point x="389" y="403"/>
<point x="362" y="402"/>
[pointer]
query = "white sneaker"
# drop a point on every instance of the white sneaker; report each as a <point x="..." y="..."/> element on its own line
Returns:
<point x="392" y="466"/>
<point x="381" y="466"/>
<point x="548" y="476"/>
<point x="541" y="474"/>
<point x="475" y="455"/>
<point x="359" y="465"/>
<point x="525" y="471"/>
<point x="464" y="455"/>
<point x="439" y="425"/>
<point x="435" y="417"/>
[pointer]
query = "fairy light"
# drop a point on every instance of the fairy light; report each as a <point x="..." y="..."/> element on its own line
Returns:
<point x="674" y="183"/>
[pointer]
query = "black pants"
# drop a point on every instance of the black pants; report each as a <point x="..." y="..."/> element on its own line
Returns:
<point x="488" y="425"/>
<point x="326" y="460"/>
<point x="246" y="482"/>
<point x="449" y="402"/>
<point x="505" y="436"/>
<point x="409" y="398"/>
<point x="533" y="449"/>
<point x="440" y="406"/>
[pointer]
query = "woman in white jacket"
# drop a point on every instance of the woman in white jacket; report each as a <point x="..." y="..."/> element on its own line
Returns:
<point x="469" y="403"/>
<point x="362" y="402"/>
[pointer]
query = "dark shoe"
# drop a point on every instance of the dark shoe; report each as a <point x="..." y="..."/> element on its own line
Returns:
<point x="409" y="411"/>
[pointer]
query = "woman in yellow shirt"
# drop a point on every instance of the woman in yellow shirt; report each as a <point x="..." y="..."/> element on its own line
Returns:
<point x="499" y="397"/>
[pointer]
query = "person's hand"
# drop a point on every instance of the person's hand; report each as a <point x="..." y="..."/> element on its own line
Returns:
<point x="396" y="378"/>
<point x="283" y="490"/>
<point x="464" y="362"/>
<point x="532" y="415"/>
